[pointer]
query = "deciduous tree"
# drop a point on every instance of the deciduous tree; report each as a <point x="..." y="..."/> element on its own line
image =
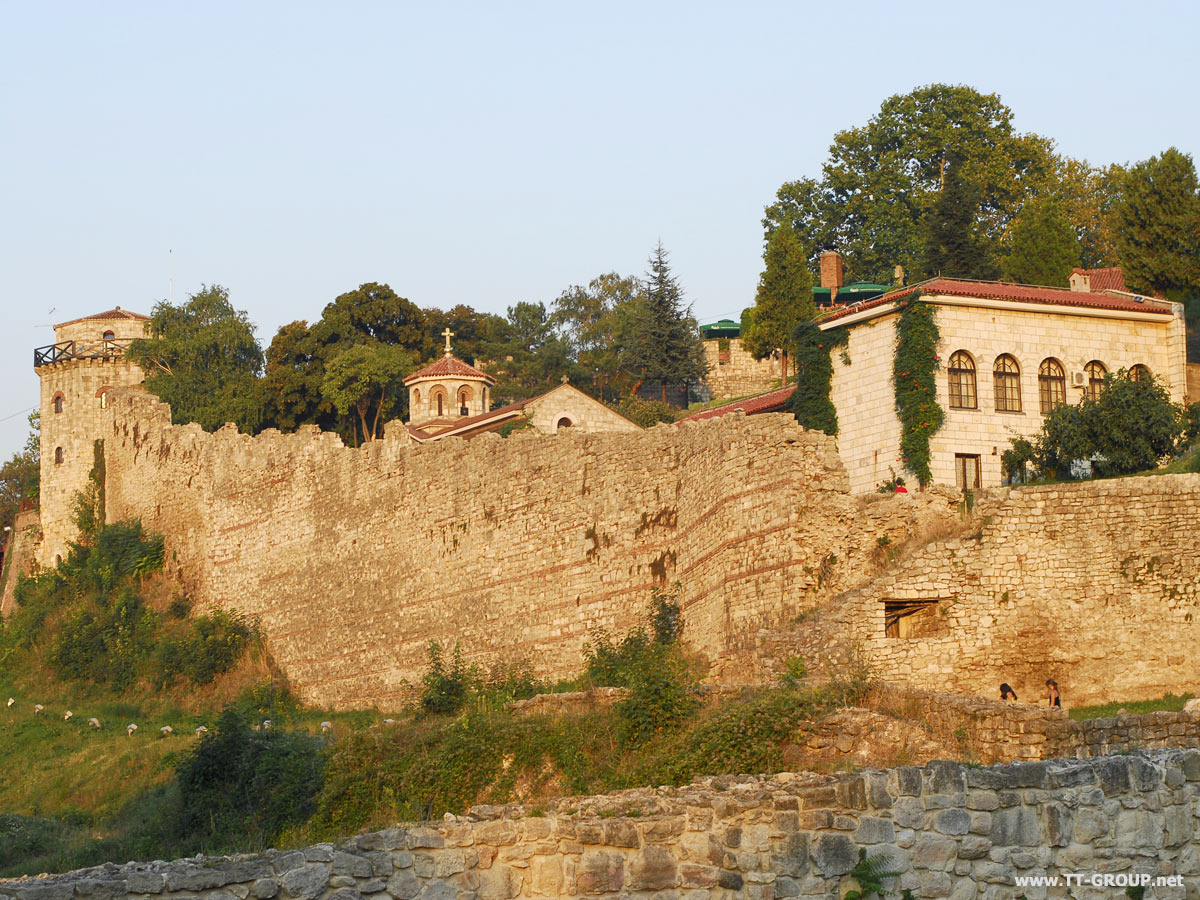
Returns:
<point x="203" y="360"/>
<point x="1045" y="246"/>
<point x="367" y="378"/>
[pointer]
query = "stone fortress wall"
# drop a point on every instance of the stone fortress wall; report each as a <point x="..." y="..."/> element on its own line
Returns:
<point x="1091" y="584"/>
<point x="735" y="373"/>
<point x="354" y="559"/>
<point x="945" y="829"/>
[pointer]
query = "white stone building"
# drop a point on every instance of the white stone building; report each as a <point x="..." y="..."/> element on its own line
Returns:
<point x="1007" y="353"/>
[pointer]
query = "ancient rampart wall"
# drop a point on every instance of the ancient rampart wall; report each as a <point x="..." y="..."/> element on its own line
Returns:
<point x="19" y="559"/>
<point x="733" y="372"/>
<point x="945" y="829"/>
<point x="1094" y="585"/>
<point x="354" y="559"/>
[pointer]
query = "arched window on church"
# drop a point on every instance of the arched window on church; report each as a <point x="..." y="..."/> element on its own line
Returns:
<point x="110" y="336"/>
<point x="416" y="396"/>
<point x="464" y="401"/>
<point x="58" y="403"/>
<point x="563" y="423"/>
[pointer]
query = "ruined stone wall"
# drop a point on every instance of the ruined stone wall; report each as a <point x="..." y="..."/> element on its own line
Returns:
<point x="735" y="373"/>
<point x="19" y="558"/>
<point x="944" y="830"/>
<point x="1092" y="584"/>
<point x="354" y="559"/>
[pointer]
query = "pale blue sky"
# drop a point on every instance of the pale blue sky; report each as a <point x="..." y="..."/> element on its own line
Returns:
<point x="488" y="153"/>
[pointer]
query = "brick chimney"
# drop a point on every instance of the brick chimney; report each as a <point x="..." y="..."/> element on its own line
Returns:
<point x="832" y="271"/>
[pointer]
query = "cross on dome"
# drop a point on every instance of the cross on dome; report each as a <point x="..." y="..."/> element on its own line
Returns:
<point x="447" y="334"/>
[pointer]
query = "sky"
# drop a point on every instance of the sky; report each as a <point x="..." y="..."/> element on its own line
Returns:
<point x="488" y="153"/>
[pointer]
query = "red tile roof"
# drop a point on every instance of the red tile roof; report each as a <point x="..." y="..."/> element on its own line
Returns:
<point x="449" y="367"/>
<point x="117" y="313"/>
<point x="1016" y="293"/>
<point x="1099" y="280"/>
<point x="773" y="401"/>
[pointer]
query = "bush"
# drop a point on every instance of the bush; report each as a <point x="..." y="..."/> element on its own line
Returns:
<point x="646" y="413"/>
<point x="242" y="787"/>
<point x="1130" y="428"/>
<point x="447" y="688"/>
<point x="210" y="645"/>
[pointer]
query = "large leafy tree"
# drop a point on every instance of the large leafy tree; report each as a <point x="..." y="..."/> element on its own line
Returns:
<point x="660" y="340"/>
<point x="299" y="355"/>
<point x="1157" y="225"/>
<point x="1045" y="246"/>
<point x="203" y="359"/>
<point x="954" y="246"/>
<point x="1086" y="195"/>
<point x="367" y="378"/>
<point x="882" y="178"/>
<point x="784" y="298"/>
<point x="588" y="319"/>
<point x="19" y="476"/>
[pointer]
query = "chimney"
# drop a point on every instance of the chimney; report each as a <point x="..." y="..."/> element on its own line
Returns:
<point x="831" y="272"/>
<point x="1081" y="280"/>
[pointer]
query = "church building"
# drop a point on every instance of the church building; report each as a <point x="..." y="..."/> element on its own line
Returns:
<point x="450" y="398"/>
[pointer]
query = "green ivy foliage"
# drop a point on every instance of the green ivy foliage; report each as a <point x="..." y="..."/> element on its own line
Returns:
<point x="914" y="373"/>
<point x="811" y="401"/>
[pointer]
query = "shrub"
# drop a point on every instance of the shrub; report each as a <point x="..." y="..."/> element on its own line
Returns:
<point x="447" y="687"/>
<point x="1129" y="428"/>
<point x="244" y="786"/>
<point x="646" y="413"/>
<point x="210" y="646"/>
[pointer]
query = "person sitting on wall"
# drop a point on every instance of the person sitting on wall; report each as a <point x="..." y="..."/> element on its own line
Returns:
<point x="900" y="488"/>
<point x="1007" y="693"/>
<point x="1052" y="695"/>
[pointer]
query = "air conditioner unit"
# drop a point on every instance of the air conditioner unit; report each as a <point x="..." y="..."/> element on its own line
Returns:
<point x="1079" y="379"/>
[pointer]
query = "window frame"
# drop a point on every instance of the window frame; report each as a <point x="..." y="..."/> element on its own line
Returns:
<point x="1001" y="379"/>
<point x="1047" y="381"/>
<point x="960" y="376"/>
<point x="1095" y="386"/>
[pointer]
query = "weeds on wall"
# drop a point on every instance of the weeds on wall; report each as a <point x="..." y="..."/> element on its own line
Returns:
<point x="914" y="371"/>
<point x="812" y="403"/>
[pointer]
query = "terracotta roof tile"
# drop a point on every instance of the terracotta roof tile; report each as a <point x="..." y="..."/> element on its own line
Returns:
<point x="1100" y="280"/>
<point x="449" y="367"/>
<point x="773" y="401"/>
<point x="1016" y="293"/>
<point x="117" y="313"/>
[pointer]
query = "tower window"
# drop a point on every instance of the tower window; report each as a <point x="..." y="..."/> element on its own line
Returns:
<point x="58" y="456"/>
<point x="58" y="403"/>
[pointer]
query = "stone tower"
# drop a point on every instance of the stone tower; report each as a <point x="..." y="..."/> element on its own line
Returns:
<point x="447" y="390"/>
<point x="86" y="360"/>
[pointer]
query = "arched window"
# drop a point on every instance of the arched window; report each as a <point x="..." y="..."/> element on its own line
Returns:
<point x="1096" y="372"/>
<point x="104" y="399"/>
<point x="562" y="423"/>
<point x="416" y="396"/>
<point x="962" y="381"/>
<point x="464" y="400"/>
<point x="1006" y="375"/>
<point x="58" y="456"/>
<point x="58" y="403"/>
<point x="109" y="336"/>
<point x="1052" y="384"/>
<point x="1140" y="373"/>
<point x="437" y="402"/>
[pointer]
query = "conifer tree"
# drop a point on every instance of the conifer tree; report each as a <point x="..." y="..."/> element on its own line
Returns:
<point x="953" y="248"/>
<point x="1157" y="225"/>
<point x="784" y="299"/>
<point x="668" y="349"/>
<point x="1044" y="245"/>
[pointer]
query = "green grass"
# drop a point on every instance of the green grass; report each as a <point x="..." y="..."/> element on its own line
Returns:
<point x="1170" y="703"/>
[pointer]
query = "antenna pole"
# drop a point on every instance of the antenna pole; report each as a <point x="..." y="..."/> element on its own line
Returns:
<point x="171" y="277"/>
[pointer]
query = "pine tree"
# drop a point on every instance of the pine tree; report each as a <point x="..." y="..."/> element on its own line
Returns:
<point x="671" y="348"/>
<point x="783" y="301"/>
<point x="1157" y="225"/>
<point x="953" y="248"/>
<point x="1044" y="245"/>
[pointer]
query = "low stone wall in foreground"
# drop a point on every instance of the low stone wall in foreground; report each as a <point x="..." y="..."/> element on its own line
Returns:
<point x="949" y="830"/>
